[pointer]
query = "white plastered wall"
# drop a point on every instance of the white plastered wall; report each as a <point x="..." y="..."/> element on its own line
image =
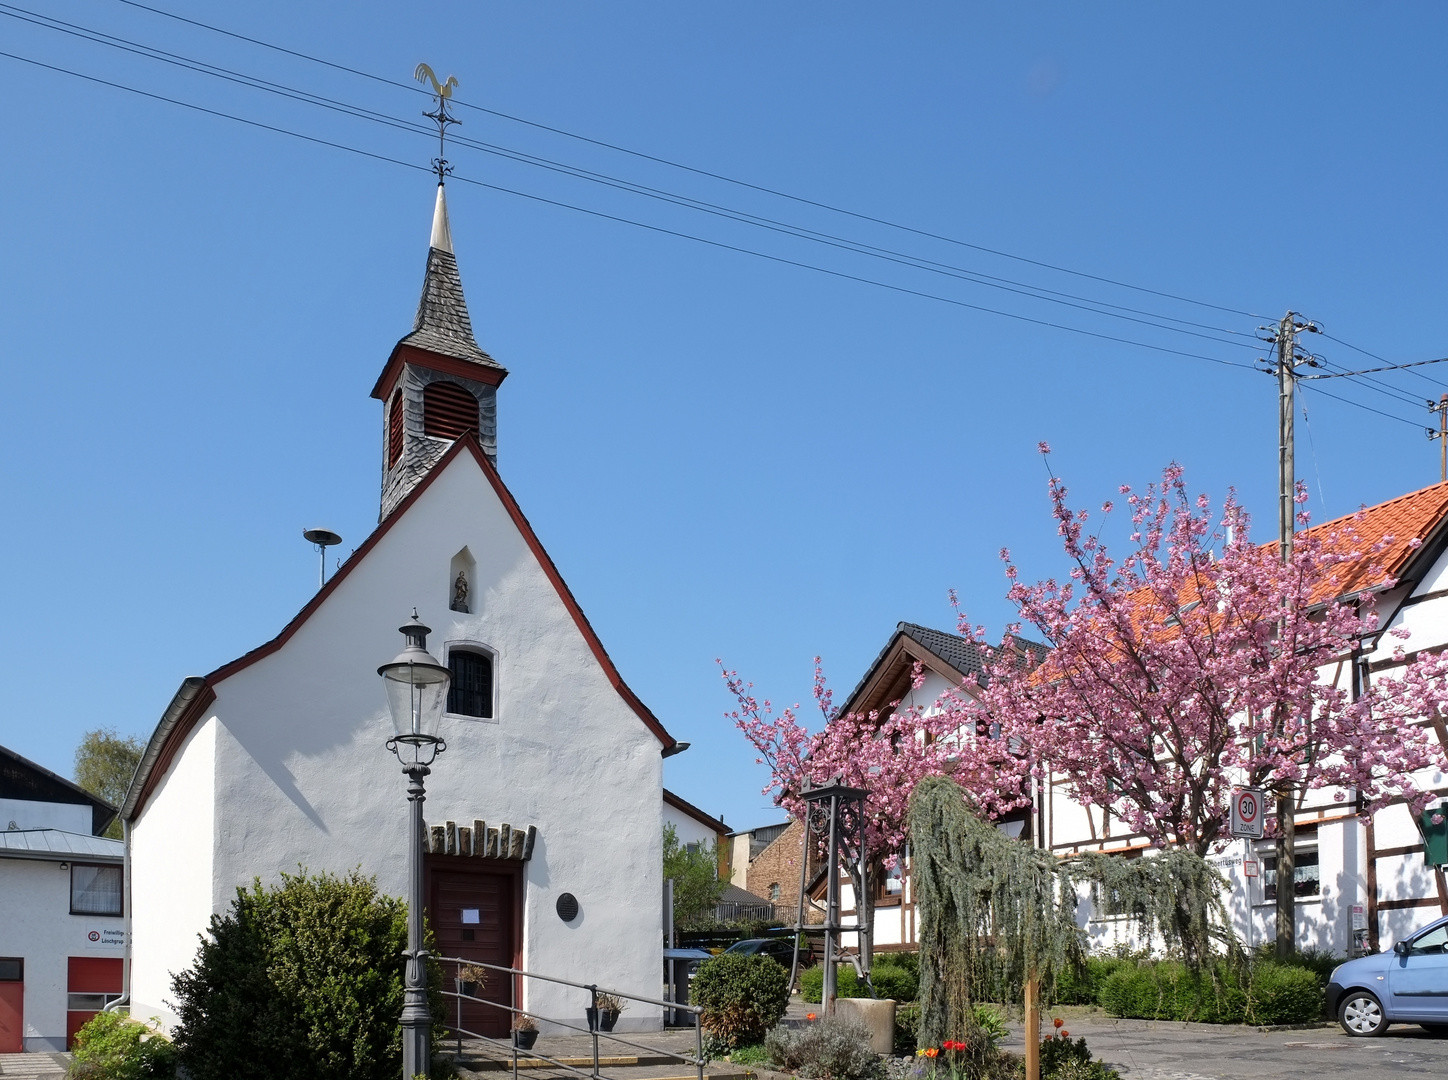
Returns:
<point x="36" y="925"/>
<point x="303" y="777"/>
<point x="172" y="872"/>
<point x="68" y="817"/>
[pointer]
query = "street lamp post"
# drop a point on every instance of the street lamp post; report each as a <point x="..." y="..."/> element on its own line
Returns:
<point x="416" y="696"/>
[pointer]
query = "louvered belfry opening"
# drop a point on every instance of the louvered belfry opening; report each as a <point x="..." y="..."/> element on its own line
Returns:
<point x="394" y="429"/>
<point x="448" y="410"/>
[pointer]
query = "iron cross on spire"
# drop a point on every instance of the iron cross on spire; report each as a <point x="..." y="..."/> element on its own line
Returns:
<point x="442" y="94"/>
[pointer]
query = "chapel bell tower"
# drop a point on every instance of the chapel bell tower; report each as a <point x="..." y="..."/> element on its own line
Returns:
<point x="437" y="383"/>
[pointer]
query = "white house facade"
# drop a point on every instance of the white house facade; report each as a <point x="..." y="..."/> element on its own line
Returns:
<point x="62" y="908"/>
<point x="552" y="778"/>
<point x="1360" y="881"/>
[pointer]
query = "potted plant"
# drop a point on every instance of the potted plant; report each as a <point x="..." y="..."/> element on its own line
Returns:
<point x="525" y="1031"/>
<point x="471" y="979"/>
<point x="609" y="1007"/>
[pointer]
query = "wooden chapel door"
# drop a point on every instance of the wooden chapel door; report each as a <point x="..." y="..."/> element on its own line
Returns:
<point x="475" y="910"/>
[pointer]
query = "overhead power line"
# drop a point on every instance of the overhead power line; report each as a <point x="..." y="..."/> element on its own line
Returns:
<point x="1028" y="290"/>
<point x="1089" y="304"/>
<point x="278" y="129"/>
<point x="641" y="155"/>
<point x="1372" y="370"/>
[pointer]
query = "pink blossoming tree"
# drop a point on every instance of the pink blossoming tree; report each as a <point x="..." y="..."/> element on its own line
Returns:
<point x="886" y="753"/>
<point x="1201" y="661"/>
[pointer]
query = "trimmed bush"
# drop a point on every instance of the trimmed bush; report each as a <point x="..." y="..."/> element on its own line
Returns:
<point x="1081" y="985"/>
<point x="1264" y="993"/>
<point x="113" y="1047"/>
<point x="742" y="997"/>
<point x="895" y="975"/>
<point x="833" y="1048"/>
<point x="301" y="981"/>
<point x="1285" y="994"/>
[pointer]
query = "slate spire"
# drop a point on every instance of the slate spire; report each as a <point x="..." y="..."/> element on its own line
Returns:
<point x="437" y="383"/>
<point x="442" y="324"/>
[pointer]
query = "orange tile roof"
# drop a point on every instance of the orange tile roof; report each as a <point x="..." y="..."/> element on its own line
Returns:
<point x="1406" y="519"/>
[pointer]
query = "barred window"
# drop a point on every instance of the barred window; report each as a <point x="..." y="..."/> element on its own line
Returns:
<point x="471" y="692"/>
<point x="95" y="890"/>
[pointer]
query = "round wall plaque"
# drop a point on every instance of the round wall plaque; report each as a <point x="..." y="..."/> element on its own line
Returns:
<point x="568" y="907"/>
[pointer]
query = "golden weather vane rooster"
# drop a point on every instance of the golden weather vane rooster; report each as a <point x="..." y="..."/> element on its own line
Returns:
<point x="442" y="91"/>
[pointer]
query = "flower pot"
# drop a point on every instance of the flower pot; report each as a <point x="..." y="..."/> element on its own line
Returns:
<point x="592" y="1015"/>
<point x="466" y="988"/>
<point x="524" y="1040"/>
<point x="606" y="1019"/>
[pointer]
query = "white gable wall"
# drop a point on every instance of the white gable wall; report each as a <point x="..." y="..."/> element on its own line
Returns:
<point x="302" y="775"/>
<point x="172" y="866"/>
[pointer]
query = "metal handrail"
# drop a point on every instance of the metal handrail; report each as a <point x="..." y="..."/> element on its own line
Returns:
<point x="592" y="1030"/>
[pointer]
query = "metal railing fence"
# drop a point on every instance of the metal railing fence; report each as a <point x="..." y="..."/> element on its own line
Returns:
<point x="594" y="991"/>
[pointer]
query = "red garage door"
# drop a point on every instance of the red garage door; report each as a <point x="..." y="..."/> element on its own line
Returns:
<point x="12" y="1005"/>
<point x="92" y="982"/>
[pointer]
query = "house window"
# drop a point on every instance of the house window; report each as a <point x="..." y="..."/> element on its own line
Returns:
<point x="12" y="969"/>
<point x="95" y="890"/>
<point x="448" y="410"/>
<point x="1306" y="880"/>
<point x="774" y="892"/>
<point x="471" y="692"/>
<point x="394" y="429"/>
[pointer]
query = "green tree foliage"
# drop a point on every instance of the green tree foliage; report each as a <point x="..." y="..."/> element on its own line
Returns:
<point x="695" y="872"/>
<point x="742" y="996"/>
<point x="994" y="911"/>
<point x="300" y="981"/>
<point x="112" y="1047"/>
<point x="105" y="761"/>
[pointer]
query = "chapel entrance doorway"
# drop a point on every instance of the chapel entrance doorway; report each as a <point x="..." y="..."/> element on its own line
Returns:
<point x="475" y="908"/>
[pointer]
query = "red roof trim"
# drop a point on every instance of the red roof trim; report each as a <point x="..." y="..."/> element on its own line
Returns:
<point x="469" y="442"/>
<point x="174" y="739"/>
<point x="448" y="365"/>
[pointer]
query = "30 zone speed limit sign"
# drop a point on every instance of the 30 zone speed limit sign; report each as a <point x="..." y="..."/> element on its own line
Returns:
<point x="1248" y="805"/>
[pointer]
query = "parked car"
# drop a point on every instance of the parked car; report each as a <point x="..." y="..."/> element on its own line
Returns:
<point x="1408" y="985"/>
<point x="781" y="949"/>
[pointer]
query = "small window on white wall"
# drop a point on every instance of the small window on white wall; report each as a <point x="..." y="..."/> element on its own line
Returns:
<point x="95" y="890"/>
<point x="471" y="691"/>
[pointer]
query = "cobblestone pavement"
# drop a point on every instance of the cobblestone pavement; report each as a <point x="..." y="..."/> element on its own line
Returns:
<point x="1155" y="1050"/>
<point x="33" y="1066"/>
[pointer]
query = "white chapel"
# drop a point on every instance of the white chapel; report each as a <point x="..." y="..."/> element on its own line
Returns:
<point x="551" y="783"/>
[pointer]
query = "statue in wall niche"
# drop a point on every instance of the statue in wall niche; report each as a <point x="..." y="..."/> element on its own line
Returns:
<point x="460" y="593"/>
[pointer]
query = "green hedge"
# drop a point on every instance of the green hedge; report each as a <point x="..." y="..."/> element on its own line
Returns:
<point x="895" y="975"/>
<point x="1263" y="993"/>
<point x="1082" y="985"/>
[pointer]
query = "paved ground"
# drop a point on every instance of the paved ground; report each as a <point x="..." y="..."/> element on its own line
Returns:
<point x="33" y="1066"/>
<point x="1155" y="1050"/>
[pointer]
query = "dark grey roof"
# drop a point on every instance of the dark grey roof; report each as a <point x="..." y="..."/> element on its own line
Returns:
<point x="442" y="324"/>
<point x="962" y="654"/>
<point x="733" y="894"/>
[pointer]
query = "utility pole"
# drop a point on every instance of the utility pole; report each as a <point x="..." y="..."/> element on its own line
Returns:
<point x="1284" y="336"/>
<point x="1441" y="408"/>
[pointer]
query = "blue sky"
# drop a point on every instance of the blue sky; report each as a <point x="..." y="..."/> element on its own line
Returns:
<point x="727" y="456"/>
